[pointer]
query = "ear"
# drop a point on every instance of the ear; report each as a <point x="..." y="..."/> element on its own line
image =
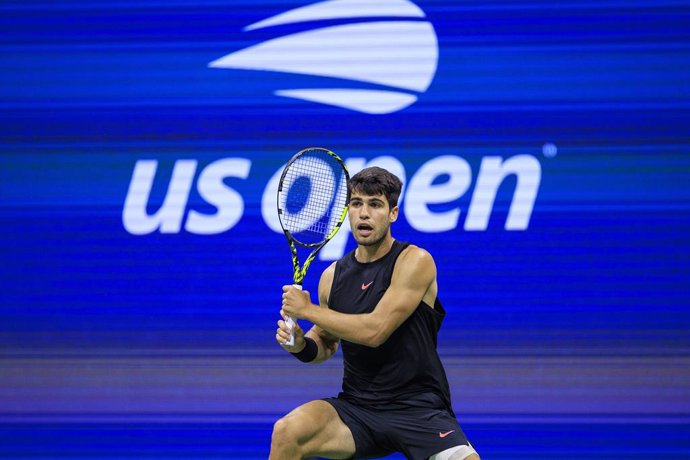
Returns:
<point x="393" y="215"/>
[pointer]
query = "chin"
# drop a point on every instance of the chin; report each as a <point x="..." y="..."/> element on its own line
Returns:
<point x="361" y="242"/>
<point x="371" y="241"/>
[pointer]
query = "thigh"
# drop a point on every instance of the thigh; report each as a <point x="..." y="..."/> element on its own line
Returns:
<point x="367" y="427"/>
<point x="421" y="433"/>
<point x="320" y="431"/>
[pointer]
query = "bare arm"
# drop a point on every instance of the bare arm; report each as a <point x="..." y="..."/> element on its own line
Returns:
<point x="414" y="279"/>
<point x="327" y="342"/>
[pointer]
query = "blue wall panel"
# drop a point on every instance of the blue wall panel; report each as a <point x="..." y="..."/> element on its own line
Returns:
<point x="566" y="337"/>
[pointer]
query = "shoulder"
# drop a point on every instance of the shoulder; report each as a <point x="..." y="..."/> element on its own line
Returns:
<point x="415" y="255"/>
<point x="414" y="262"/>
<point x="328" y="273"/>
<point x="326" y="282"/>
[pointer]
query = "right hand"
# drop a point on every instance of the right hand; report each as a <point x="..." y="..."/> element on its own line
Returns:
<point x="283" y="335"/>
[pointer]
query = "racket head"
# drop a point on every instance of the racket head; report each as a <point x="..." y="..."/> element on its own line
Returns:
<point x="313" y="196"/>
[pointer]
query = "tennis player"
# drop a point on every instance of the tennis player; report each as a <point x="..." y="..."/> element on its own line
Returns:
<point x="381" y="301"/>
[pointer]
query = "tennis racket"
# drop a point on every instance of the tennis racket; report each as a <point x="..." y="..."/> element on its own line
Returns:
<point x="312" y="204"/>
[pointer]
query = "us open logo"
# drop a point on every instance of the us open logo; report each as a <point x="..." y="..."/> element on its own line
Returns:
<point x="397" y="57"/>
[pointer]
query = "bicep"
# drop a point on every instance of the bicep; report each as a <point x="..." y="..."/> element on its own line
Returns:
<point x="412" y="278"/>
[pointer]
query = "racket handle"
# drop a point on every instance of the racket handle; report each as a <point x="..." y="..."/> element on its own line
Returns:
<point x="291" y="323"/>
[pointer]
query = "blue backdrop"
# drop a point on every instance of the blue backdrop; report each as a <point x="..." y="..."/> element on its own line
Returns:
<point x="544" y="147"/>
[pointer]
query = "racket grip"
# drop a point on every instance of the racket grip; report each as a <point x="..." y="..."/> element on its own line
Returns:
<point x="291" y="323"/>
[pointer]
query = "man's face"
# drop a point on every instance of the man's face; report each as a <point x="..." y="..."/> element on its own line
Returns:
<point x="370" y="217"/>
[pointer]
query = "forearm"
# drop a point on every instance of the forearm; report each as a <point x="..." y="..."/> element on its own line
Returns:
<point x="363" y="329"/>
<point x="326" y="348"/>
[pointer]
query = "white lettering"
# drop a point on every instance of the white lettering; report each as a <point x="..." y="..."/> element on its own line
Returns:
<point x="439" y="181"/>
<point x="169" y="217"/>
<point x="422" y="191"/>
<point x="269" y="202"/>
<point x="492" y="172"/>
<point x="229" y="203"/>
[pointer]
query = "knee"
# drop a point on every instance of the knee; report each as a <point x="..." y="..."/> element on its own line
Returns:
<point x="284" y="437"/>
<point x="461" y="456"/>
<point x="460" y="452"/>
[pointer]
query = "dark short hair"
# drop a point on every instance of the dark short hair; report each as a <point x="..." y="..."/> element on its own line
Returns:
<point x="377" y="181"/>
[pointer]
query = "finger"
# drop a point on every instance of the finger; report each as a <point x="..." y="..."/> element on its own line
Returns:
<point x="283" y="335"/>
<point x="281" y="341"/>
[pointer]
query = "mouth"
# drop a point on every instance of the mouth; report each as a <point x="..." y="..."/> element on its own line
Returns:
<point x="365" y="229"/>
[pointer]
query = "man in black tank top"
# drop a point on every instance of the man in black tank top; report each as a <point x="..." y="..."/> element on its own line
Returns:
<point x="380" y="301"/>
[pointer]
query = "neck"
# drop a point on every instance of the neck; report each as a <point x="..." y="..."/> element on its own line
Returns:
<point x="374" y="252"/>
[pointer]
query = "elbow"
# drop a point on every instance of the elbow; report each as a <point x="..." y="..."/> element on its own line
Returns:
<point x="375" y="342"/>
<point x="370" y="341"/>
<point x="376" y="338"/>
<point x="373" y="331"/>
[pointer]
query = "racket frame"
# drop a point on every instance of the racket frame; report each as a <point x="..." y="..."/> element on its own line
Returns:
<point x="298" y="273"/>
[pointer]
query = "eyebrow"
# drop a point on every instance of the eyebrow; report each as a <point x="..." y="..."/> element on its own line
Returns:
<point x="369" y="200"/>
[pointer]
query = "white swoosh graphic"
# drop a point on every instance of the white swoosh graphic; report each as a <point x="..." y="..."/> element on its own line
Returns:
<point x="362" y="100"/>
<point x="400" y="54"/>
<point x="339" y="9"/>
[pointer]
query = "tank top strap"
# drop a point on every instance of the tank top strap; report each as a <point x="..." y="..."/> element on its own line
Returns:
<point x="392" y="257"/>
<point x="397" y="248"/>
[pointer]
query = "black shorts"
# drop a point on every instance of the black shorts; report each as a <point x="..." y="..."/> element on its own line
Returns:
<point x="418" y="428"/>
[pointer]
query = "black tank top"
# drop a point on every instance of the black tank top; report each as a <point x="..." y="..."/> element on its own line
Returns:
<point x="406" y="369"/>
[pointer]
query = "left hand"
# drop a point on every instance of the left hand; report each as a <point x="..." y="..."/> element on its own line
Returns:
<point x="295" y="301"/>
<point x="283" y="335"/>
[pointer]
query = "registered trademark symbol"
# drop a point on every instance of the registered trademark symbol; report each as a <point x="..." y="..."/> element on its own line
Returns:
<point x="549" y="150"/>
